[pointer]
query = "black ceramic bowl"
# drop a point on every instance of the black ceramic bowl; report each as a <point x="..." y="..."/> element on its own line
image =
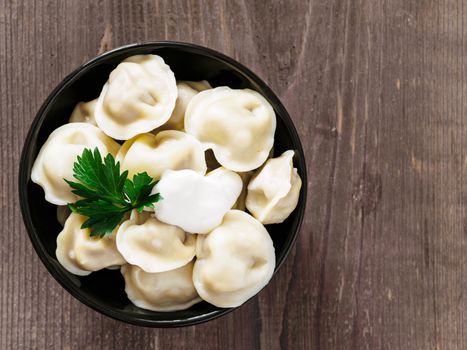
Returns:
<point x="104" y="290"/>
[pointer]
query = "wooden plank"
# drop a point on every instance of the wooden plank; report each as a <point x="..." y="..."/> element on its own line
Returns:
<point x="377" y="92"/>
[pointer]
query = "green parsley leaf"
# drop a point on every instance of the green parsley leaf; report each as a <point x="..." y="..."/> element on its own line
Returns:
<point x="138" y="190"/>
<point x="106" y="193"/>
<point x="149" y="202"/>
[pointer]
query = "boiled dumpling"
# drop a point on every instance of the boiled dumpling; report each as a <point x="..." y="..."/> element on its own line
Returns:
<point x="56" y="157"/>
<point x="240" y="203"/>
<point x="238" y="125"/>
<point x="163" y="291"/>
<point x="273" y="192"/>
<point x="186" y="91"/>
<point x="194" y="202"/>
<point x="139" y="96"/>
<point x="234" y="261"/>
<point x="154" y="154"/>
<point x="80" y="254"/>
<point x="152" y="245"/>
<point x="84" y="113"/>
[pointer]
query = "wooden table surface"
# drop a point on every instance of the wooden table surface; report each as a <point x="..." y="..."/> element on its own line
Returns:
<point x="377" y="90"/>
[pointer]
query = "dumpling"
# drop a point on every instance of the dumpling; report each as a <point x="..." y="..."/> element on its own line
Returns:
<point x="80" y="254"/>
<point x="186" y="91"/>
<point x="154" y="154"/>
<point x="84" y="113"/>
<point x="238" y="125"/>
<point x="139" y="96"/>
<point x="56" y="157"/>
<point x="234" y="262"/>
<point x="152" y="245"/>
<point x="194" y="202"/>
<point x="163" y="291"/>
<point x="274" y="190"/>
<point x="240" y="203"/>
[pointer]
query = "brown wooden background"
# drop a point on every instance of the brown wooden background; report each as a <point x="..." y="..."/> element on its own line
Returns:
<point x="377" y="90"/>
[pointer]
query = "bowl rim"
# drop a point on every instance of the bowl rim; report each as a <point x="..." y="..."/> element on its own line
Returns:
<point x="23" y="179"/>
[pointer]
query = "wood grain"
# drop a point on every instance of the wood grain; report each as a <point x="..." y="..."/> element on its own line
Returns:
<point x="377" y="92"/>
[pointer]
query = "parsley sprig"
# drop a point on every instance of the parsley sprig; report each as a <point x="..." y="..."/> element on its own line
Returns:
<point x="106" y="193"/>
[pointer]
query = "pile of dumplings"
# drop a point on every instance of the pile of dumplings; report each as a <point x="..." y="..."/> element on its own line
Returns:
<point x="210" y="149"/>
